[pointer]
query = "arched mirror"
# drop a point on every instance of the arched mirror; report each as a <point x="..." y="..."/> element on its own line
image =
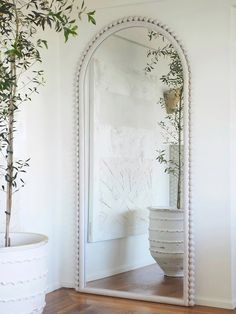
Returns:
<point x="133" y="210"/>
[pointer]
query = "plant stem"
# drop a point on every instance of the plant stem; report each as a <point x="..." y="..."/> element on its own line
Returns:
<point x="9" y="171"/>
<point x="179" y="155"/>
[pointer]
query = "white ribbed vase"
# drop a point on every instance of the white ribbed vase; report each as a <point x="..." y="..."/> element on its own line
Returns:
<point x="166" y="239"/>
<point x="23" y="273"/>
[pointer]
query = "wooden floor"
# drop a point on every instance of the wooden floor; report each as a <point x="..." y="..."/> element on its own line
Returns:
<point x="145" y="281"/>
<point x="67" y="301"/>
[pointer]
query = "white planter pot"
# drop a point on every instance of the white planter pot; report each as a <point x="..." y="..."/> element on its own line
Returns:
<point x="166" y="239"/>
<point x="23" y="274"/>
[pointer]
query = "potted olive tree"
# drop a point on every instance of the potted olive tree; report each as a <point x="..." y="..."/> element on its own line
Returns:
<point x="23" y="267"/>
<point x="166" y="223"/>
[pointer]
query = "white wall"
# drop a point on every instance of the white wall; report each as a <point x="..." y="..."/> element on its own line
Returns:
<point x="49" y="198"/>
<point x="40" y="201"/>
<point x="38" y="207"/>
<point x="117" y="256"/>
<point x="233" y="148"/>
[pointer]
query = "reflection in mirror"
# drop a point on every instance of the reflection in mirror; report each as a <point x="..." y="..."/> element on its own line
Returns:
<point x="134" y="127"/>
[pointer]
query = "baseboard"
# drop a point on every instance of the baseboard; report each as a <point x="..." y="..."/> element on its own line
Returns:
<point x="115" y="271"/>
<point x="220" y="303"/>
<point x="53" y="286"/>
<point x="234" y="303"/>
<point x="64" y="284"/>
<point x="67" y="284"/>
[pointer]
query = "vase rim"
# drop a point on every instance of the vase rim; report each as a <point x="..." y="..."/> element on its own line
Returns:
<point x="30" y="240"/>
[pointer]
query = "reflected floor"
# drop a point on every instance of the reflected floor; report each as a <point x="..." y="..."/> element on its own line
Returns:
<point x="147" y="280"/>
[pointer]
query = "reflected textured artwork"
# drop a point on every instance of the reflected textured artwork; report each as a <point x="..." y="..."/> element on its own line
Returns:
<point x="124" y="171"/>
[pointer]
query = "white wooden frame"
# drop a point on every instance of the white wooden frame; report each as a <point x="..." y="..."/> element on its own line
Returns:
<point x="127" y="22"/>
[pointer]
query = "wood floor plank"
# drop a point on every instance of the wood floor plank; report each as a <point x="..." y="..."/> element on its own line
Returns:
<point x="68" y="301"/>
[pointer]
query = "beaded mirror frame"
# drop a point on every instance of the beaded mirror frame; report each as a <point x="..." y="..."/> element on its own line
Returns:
<point x="188" y="286"/>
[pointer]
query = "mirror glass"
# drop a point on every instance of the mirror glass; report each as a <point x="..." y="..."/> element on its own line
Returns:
<point x="134" y="114"/>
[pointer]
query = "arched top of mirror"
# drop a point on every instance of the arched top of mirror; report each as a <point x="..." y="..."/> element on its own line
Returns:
<point x="128" y="22"/>
<point x="122" y="28"/>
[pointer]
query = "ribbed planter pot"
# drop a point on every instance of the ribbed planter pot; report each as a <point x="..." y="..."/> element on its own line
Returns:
<point x="166" y="239"/>
<point x="23" y="274"/>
